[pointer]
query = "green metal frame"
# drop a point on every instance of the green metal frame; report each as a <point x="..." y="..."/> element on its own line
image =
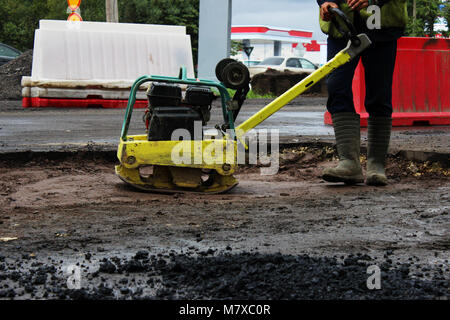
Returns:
<point x="182" y="79"/>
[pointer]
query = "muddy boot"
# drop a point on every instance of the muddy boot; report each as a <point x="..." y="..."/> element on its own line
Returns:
<point x="347" y="132"/>
<point x="379" y="135"/>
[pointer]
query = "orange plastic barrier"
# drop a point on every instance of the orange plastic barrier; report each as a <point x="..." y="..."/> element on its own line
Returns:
<point x="421" y="88"/>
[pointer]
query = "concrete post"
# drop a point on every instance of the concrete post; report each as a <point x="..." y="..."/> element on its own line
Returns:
<point x="112" y="11"/>
<point x="214" y="36"/>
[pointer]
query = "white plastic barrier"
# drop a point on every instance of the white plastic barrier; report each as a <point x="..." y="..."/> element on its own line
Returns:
<point x="68" y="93"/>
<point x="113" y="27"/>
<point x="119" y="54"/>
<point x="75" y="55"/>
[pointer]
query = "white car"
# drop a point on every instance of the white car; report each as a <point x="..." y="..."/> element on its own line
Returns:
<point x="294" y="64"/>
<point x="8" y="53"/>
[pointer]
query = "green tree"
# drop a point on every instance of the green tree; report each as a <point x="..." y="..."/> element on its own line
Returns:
<point x="19" y="19"/>
<point x="91" y="10"/>
<point x="236" y="47"/>
<point x="446" y="15"/>
<point x="168" y="12"/>
<point x="422" y="23"/>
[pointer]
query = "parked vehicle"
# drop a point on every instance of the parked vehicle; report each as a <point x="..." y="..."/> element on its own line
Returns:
<point x="8" y="53"/>
<point x="294" y="64"/>
<point x="251" y="63"/>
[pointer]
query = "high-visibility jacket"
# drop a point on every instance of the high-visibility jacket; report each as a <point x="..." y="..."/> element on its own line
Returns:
<point x="394" y="14"/>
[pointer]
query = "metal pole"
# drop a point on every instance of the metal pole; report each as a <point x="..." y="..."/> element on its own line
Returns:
<point x="112" y="11"/>
<point x="214" y="36"/>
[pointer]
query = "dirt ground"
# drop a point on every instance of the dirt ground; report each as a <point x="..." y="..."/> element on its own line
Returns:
<point x="286" y="236"/>
<point x="276" y="83"/>
<point x="11" y="75"/>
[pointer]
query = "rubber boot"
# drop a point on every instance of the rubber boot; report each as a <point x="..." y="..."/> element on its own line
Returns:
<point x="347" y="132"/>
<point x="379" y="135"/>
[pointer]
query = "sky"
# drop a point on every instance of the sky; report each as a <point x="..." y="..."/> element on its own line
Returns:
<point x="293" y="14"/>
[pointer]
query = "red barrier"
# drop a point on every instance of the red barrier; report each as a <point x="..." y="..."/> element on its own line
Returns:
<point x="80" y="103"/>
<point x="421" y="87"/>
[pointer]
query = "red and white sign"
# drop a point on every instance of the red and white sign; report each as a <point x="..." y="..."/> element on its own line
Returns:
<point x="74" y="4"/>
<point x="74" y="17"/>
<point x="270" y="34"/>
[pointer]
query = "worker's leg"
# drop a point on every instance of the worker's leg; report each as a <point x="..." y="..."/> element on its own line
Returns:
<point x="379" y="64"/>
<point x="339" y="82"/>
<point x="346" y="121"/>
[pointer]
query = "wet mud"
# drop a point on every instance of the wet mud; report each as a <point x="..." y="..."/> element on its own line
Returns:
<point x="286" y="236"/>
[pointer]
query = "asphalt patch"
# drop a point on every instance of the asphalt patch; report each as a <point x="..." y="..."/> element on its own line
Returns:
<point x="225" y="276"/>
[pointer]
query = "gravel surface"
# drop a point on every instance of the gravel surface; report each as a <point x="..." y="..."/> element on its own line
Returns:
<point x="210" y="275"/>
<point x="278" y="82"/>
<point x="11" y="75"/>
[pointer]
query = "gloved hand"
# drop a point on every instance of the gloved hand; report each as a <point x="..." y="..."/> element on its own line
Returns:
<point x="358" y="4"/>
<point x="324" y="13"/>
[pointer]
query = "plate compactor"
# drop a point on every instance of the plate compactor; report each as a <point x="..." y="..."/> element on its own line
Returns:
<point x="151" y="162"/>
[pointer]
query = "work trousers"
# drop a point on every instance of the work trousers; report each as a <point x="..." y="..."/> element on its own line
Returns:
<point x="379" y="63"/>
